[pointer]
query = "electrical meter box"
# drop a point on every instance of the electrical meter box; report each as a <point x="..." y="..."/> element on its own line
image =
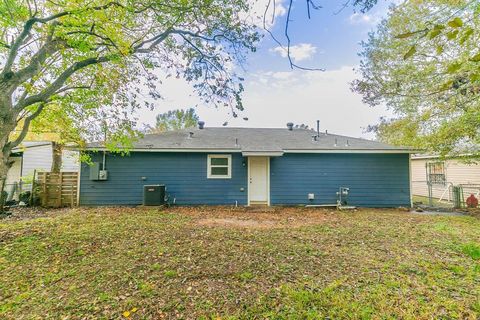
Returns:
<point x="102" y="175"/>
<point x="96" y="173"/>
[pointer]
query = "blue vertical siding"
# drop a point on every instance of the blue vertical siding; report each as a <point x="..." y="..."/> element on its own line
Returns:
<point x="375" y="180"/>
<point x="184" y="174"/>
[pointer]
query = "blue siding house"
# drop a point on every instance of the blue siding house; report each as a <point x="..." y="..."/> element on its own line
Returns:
<point x="250" y="166"/>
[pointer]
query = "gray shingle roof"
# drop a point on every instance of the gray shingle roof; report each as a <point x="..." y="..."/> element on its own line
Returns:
<point x="254" y="140"/>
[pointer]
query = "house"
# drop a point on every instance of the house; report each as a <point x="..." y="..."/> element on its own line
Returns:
<point x="443" y="174"/>
<point x="36" y="155"/>
<point x="249" y="166"/>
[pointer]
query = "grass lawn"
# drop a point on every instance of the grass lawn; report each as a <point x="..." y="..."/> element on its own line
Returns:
<point x="141" y="263"/>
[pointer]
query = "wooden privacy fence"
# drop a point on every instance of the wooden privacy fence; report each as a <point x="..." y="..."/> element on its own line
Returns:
<point x="56" y="189"/>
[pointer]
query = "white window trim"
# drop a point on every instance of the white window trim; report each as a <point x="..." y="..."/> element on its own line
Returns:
<point x="209" y="166"/>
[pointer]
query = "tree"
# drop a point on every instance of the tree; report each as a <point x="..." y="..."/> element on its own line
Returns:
<point x="423" y="62"/>
<point x="176" y="120"/>
<point x="85" y="55"/>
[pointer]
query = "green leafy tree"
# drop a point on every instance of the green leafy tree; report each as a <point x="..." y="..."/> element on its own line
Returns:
<point x="176" y="120"/>
<point x="423" y="62"/>
<point x="94" y="57"/>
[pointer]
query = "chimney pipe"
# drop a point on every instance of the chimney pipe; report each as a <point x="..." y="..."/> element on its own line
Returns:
<point x="318" y="128"/>
<point x="290" y="126"/>
<point x="201" y="124"/>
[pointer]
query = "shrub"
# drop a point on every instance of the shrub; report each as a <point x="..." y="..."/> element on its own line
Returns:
<point x="25" y="197"/>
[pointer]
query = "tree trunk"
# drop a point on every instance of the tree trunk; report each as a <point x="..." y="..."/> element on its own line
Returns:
<point x="7" y="126"/>
<point x="3" y="179"/>
<point x="5" y="164"/>
<point x="57" y="149"/>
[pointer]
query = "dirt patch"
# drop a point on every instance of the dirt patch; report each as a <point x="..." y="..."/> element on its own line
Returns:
<point x="256" y="218"/>
<point x="28" y="213"/>
<point x="233" y="222"/>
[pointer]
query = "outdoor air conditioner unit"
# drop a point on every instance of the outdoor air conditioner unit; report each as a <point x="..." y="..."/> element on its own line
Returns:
<point x="154" y="195"/>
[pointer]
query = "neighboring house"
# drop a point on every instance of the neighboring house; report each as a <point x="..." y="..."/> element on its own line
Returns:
<point x="37" y="155"/>
<point x="248" y="166"/>
<point x="443" y="174"/>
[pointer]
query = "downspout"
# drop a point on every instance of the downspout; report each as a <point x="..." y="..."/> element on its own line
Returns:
<point x="104" y="144"/>
<point x="103" y="161"/>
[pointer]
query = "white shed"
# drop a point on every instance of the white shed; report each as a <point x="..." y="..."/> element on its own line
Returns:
<point x="38" y="155"/>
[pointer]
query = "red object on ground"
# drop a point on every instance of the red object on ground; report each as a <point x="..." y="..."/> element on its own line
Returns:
<point x="472" y="202"/>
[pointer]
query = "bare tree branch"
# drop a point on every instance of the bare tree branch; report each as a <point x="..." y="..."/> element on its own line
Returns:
<point x="15" y="46"/>
<point x="154" y="41"/>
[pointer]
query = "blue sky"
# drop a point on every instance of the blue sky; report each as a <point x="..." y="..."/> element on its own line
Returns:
<point x="335" y="34"/>
<point x="275" y="94"/>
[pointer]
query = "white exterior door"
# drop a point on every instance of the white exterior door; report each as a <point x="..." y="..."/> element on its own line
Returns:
<point x="258" y="180"/>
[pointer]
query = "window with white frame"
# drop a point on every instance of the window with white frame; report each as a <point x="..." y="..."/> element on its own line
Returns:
<point x="219" y="166"/>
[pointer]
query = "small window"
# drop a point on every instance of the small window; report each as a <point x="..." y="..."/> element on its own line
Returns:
<point x="219" y="166"/>
<point x="436" y="172"/>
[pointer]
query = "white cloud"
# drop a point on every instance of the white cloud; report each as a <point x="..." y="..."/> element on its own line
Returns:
<point x="360" y="18"/>
<point x="272" y="99"/>
<point x="302" y="51"/>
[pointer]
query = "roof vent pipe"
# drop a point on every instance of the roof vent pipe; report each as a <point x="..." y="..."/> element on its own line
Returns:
<point x="190" y="134"/>
<point x="201" y="124"/>
<point x="290" y="126"/>
<point x="326" y="132"/>
<point x="318" y="128"/>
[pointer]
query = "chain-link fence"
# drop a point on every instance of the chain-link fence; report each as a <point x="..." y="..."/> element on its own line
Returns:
<point x="13" y="191"/>
<point x="445" y="195"/>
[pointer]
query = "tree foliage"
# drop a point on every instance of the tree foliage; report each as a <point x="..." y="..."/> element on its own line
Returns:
<point x="423" y="62"/>
<point x="95" y="59"/>
<point x="176" y="120"/>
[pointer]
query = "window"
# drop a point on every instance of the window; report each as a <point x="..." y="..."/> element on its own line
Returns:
<point x="219" y="166"/>
<point x="436" y="172"/>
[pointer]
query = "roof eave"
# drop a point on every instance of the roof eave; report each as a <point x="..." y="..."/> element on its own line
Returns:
<point x="257" y="152"/>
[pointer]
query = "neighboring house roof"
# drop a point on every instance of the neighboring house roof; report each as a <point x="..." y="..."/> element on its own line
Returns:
<point x="250" y="141"/>
<point x="452" y="157"/>
<point x="30" y="144"/>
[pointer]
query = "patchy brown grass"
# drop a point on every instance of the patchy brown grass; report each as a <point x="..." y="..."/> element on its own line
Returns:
<point x="257" y="218"/>
<point x="289" y="263"/>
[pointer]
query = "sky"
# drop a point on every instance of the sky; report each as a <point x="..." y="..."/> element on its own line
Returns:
<point x="275" y="94"/>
